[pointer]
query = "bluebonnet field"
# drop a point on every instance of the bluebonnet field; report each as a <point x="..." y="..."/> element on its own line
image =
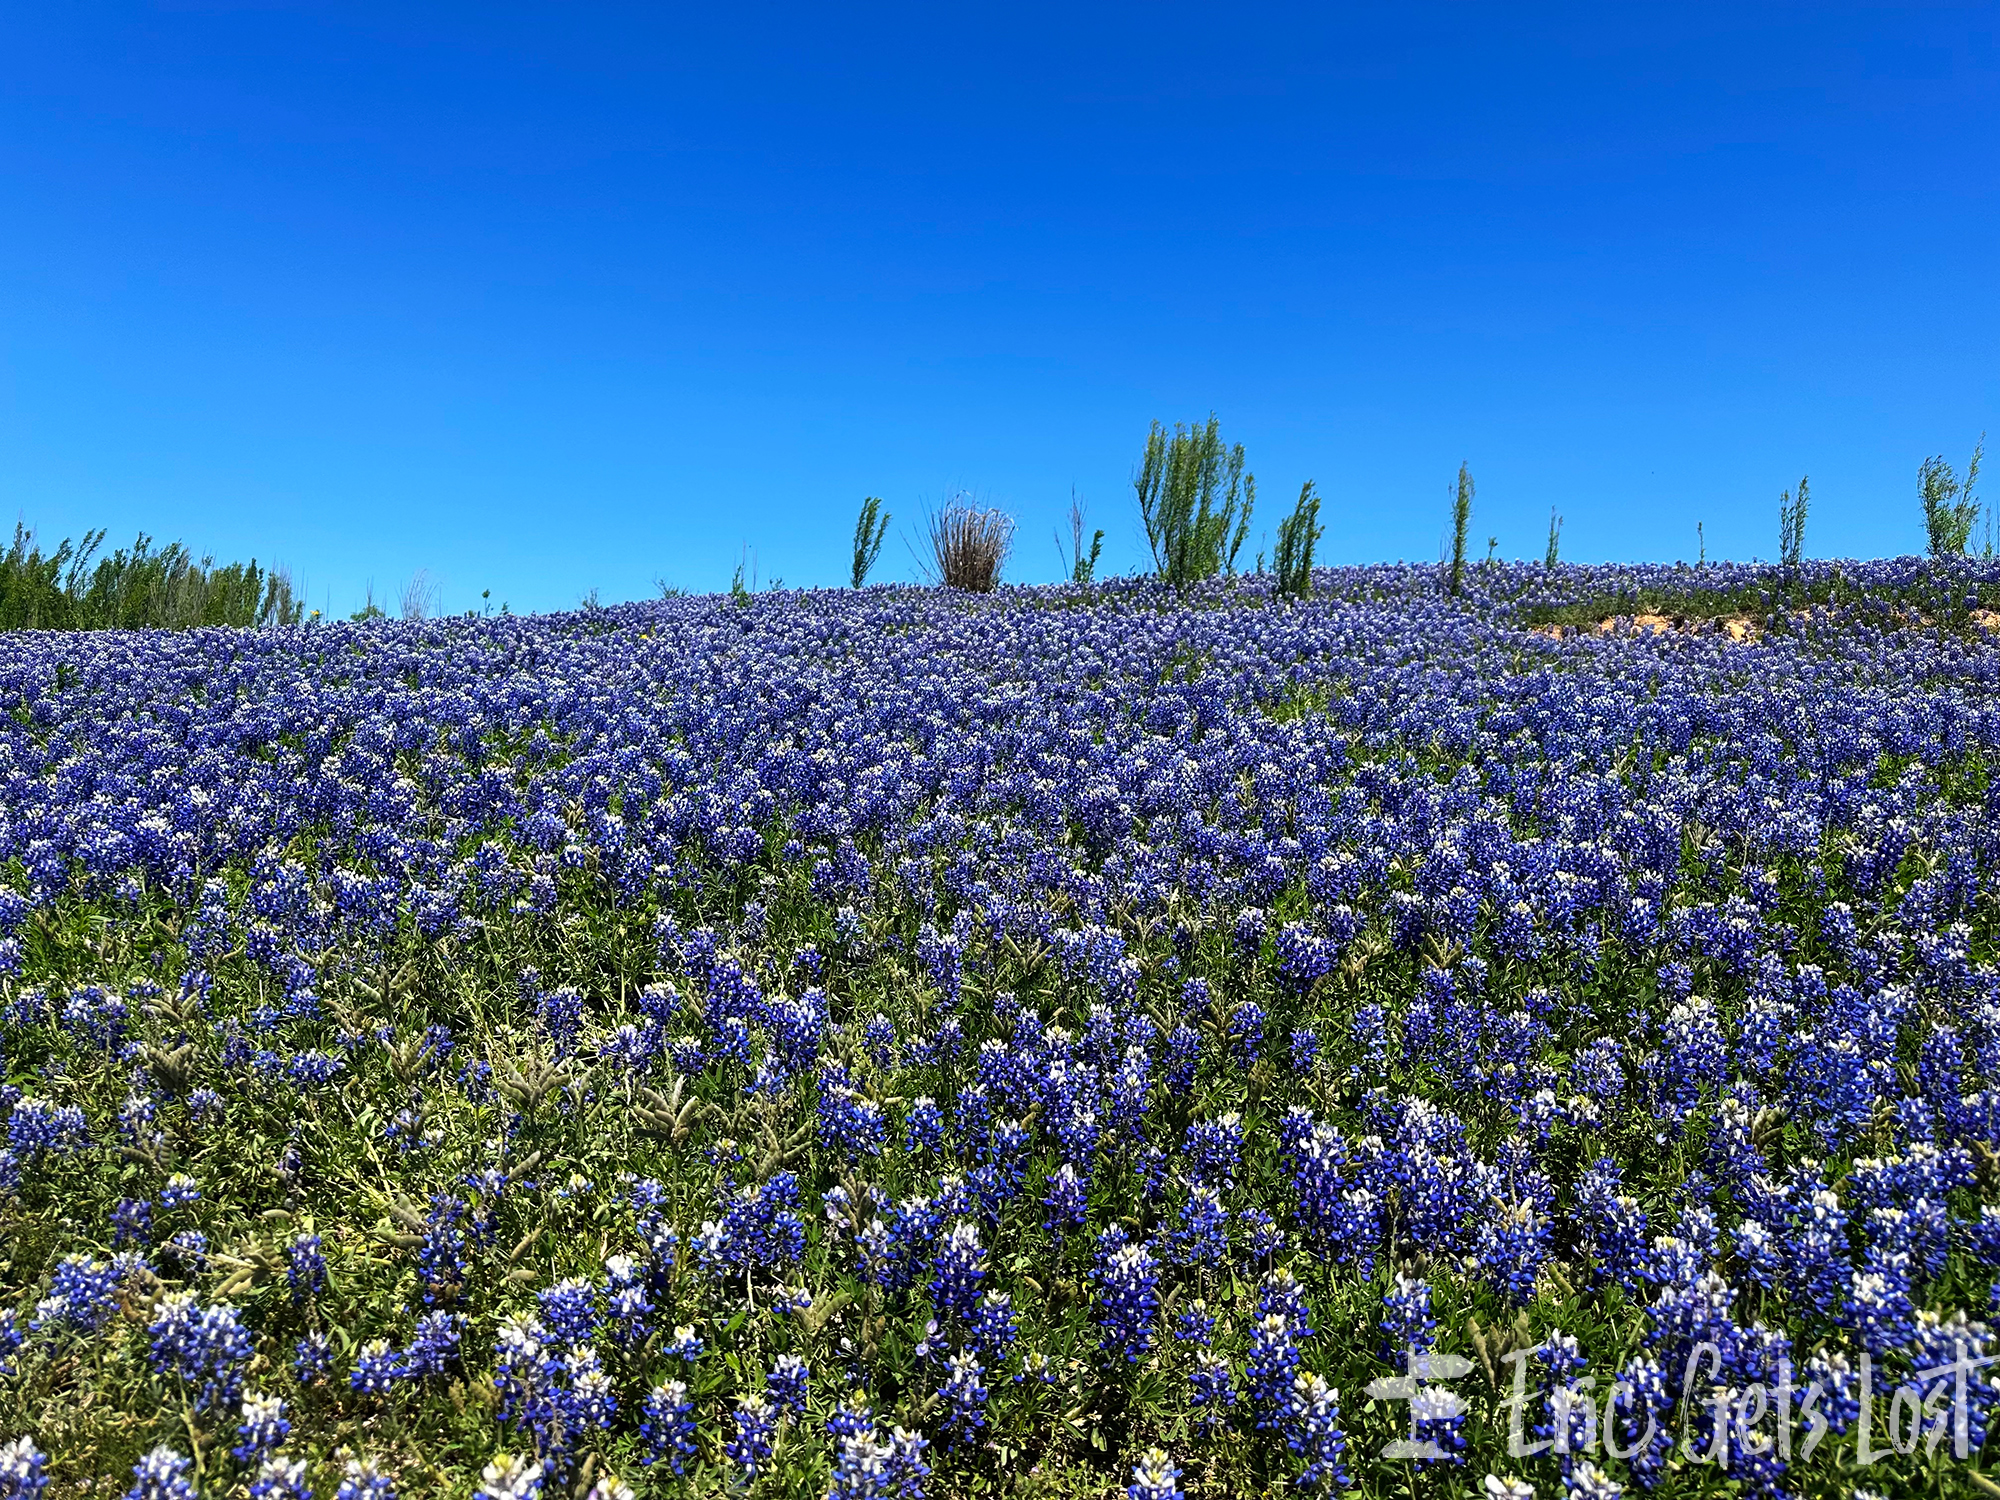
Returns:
<point x="1069" y="1041"/>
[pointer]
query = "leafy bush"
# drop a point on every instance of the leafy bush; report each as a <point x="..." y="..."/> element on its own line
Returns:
<point x="136" y="588"/>
<point x="1297" y="534"/>
<point x="870" y="527"/>
<point x="1951" y="506"/>
<point x="1195" y="501"/>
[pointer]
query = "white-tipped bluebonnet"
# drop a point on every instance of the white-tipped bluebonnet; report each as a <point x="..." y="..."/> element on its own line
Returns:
<point x="958" y="1272"/>
<point x="1154" y="1477"/>
<point x="206" y="1348"/>
<point x="1067" y="1200"/>
<point x="628" y="1307"/>
<point x="23" y="1470"/>
<point x="281" y="1479"/>
<point x="787" y="1384"/>
<point x="360" y="1479"/>
<point x="1312" y="1431"/>
<point x="1127" y="1279"/>
<point x="1211" y="1392"/>
<point x="569" y="1311"/>
<point x="162" y="1475"/>
<point x="83" y="1293"/>
<point x="1589" y="1482"/>
<point x="261" y="1430"/>
<point x="991" y="1328"/>
<point x="377" y="1367"/>
<point x="312" y="1359"/>
<point x="1407" y="1324"/>
<point x="1878" y="1307"/>
<point x="964" y="1393"/>
<point x="666" y="1425"/>
<point x="756" y="1424"/>
<point x="1273" y="1365"/>
<point x="511" y="1477"/>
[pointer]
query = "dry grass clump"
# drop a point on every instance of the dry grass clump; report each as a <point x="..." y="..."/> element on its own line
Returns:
<point x="968" y="545"/>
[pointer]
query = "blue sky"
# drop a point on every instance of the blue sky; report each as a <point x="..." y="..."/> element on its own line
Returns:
<point x="550" y="299"/>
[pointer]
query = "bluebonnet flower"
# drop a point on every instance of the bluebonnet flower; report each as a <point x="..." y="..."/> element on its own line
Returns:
<point x="964" y="1396"/>
<point x="923" y="1125"/>
<point x="1067" y="1200"/>
<point x="262" y="1430"/>
<point x="189" y="1247"/>
<point x="1246" y="1032"/>
<point x="991" y="1327"/>
<point x="312" y="1359"/>
<point x="39" y="1127"/>
<point x="1512" y="1244"/>
<point x="1878" y="1305"/>
<point x="281" y="1479"/>
<point x="361" y="1480"/>
<point x="1312" y="1430"/>
<point x="510" y="1477"/>
<point x="860" y="1467"/>
<point x="23" y="1470"/>
<point x="1214" y="1149"/>
<point x="786" y="1386"/>
<point x="206" y="1348"/>
<point x="376" y="1370"/>
<point x="1200" y="1236"/>
<point x="629" y="1308"/>
<point x="958" y="1272"/>
<point x="1127" y="1279"/>
<point x="434" y="1347"/>
<point x="1183" y="1060"/>
<point x="442" y="1262"/>
<point x="569" y="1311"/>
<point x="1211" y="1392"/>
<point x="1154" y="1477"/>
<point x="1194" y="1324"/>
<point x="131" y="1221"/>
<point x="1280" y="1292"/>
<point x="1272" y="1367"/>
<point x="666" y="1425"/>
<point x="82" y="1295"/>
<point x="1407" y="1324"/>
<point x="162" y="1475"/>
<point x="749" y="1447"/>
<point x="181" y="1191"/>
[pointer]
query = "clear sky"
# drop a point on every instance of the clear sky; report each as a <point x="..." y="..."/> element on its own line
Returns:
<point x="547" y="299"/>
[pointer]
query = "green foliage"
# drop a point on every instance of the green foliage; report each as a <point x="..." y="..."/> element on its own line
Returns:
<point x="1461" y="519"/>
<point x="1195" y="501"/>
<point x="869" y="529"/>
<point x="1792" y="527"/>
<point x="1951" y="505"/>
<point x="1081" y="566"/>
<point x="1297" y="533"/>
<point x="1555" y="540"/>
<point x="135" y="588"/>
